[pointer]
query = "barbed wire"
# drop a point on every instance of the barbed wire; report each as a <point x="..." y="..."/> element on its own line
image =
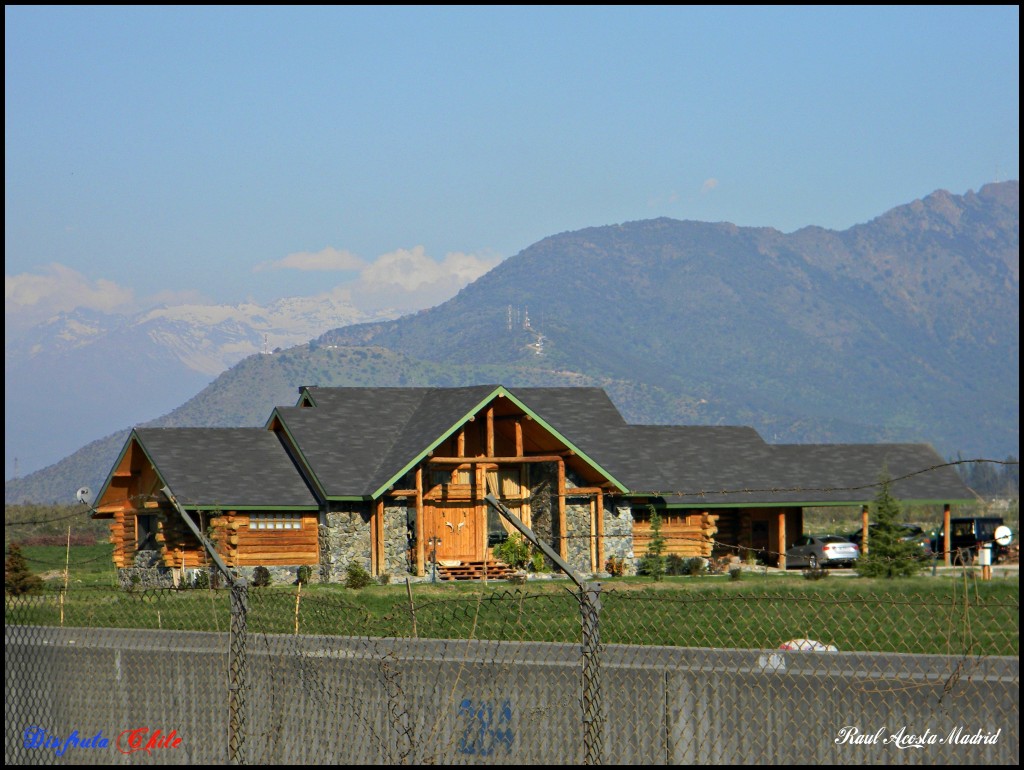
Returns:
<point x="104" y="557"/>
<point x="657" y="493"/>
<point x="62" y="517"/>
<point x="857" y="488"/>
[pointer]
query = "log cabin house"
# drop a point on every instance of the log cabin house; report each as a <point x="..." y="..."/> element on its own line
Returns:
<point x="394" y="479"/>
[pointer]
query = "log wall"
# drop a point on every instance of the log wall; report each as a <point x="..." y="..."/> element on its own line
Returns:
<point x="686" y="533"/>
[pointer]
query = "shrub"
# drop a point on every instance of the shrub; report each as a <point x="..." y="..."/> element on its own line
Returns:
<point x="537" y="562"/>
<point x="650" y="566"/>
<point x="18" y="578"/>
<point x="202" y="579"/>
<point x="719" y="565"/>
<point x="356" y="576"/>
<point x="675" y="565"/>
<point x="695" y="566"/>
<point x="735" y="573"/>
<point x="261" y="577"/>
<point x="304" y="574"/>
<point x="615" y="566"/>
<point x="384" y="579"/>
<point x="514" y="551"/>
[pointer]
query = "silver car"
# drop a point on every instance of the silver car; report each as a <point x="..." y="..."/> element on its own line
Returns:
<point x="822" y="551"/>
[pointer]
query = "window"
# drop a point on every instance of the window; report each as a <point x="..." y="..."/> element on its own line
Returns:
<point x="275" y="521"/>
<point x="145" y="530"/>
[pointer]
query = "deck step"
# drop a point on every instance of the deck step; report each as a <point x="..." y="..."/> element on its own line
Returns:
<point x="476" y="570"/>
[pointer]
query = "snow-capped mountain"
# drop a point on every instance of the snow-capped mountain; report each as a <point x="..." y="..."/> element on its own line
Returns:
<point x="82" y="373"/>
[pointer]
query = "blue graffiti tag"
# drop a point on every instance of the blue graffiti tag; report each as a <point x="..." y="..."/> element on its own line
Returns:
<point x="487" y="727"/>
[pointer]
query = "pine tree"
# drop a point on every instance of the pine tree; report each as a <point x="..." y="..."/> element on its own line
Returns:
<point x="888" y="554"/>
<point x="18" y="578"/>
<point x="653" y="563"/>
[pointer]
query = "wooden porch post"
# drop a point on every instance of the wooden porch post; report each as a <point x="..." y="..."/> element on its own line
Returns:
<point x="377" y="560"/>
<point x="480" y="508"/>
<point x="946" y="536"/>
<point x="490" y="432"/>
<point x="563" y="544"/>
<point x="524" y="491"/>
<point x="599" y="533"/>
<point x="519" y="438"/>
<point x="864" y="530"/>
<point x="418" y="527"/>
<point x="780" y="529"/>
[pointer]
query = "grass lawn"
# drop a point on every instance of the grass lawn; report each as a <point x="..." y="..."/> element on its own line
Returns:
<point x="87" y="565"/>
<point x="952" y="613"/>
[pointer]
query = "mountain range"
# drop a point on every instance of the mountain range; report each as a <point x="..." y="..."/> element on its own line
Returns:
<point x="904" y="328"/>
<point x="74" y="377"/>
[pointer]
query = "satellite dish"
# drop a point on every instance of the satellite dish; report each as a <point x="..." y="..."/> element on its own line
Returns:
<point x="85" y="495"/>
<point x="1003" y="535"/>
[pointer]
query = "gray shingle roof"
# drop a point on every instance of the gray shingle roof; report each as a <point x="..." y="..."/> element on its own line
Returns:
<point x="387" y="428"/>
<point x="841" y="473"/>
<point x="226" y="467"/>
<point x="356" y="440"/>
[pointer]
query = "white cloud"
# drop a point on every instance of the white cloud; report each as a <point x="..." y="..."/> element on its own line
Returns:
<point x="708" y="186"/>
<point x="423" y="281"/>
<point x="30" y="297"/>
<point x="326" y="259"/>
<point x="403" y="280"/>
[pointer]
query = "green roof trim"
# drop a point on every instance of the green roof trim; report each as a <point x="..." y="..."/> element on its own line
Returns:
<point x="434" y="444"/>
<point x="223" y="507"/>
<point x="498" y="392"/>
<point x="579" y="453"/>
<point x="294" y="445"/>
<point x="110" y="476"/>
<point x="812" y="504"/>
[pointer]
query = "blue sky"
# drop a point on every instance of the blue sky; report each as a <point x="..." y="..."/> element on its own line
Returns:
<point x="233" y="154"/>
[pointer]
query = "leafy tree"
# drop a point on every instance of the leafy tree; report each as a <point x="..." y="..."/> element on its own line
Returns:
<point x="18" y="578"/>
<point x="888" y="555"/>
<point x="653" y="562"/>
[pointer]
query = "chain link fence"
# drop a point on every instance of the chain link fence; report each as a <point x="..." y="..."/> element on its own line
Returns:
<point x="695" y="670"/>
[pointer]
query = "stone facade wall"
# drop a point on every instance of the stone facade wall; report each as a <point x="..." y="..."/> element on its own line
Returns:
<point x="577" y="519"/>
<point x="618" y="534"/>
<point x="286" y="575"/>
<point x="147" y="571"/>
<point x="543" y="506"/>
<point x="344" y="539"/>
<point x="397" y="541"/>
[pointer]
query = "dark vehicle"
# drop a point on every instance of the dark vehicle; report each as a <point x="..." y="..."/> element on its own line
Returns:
<point x="967" y="534"/>
<point x="822" y="551"/>
<point x="912" y="533"/>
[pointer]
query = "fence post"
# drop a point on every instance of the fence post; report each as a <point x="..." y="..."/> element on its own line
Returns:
<point x="237" y="664"/>
<point x="590" y="610"/>
<point x="593" y="706"/>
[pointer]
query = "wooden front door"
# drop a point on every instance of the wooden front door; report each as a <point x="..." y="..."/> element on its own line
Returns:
<point x="456" y="526"/>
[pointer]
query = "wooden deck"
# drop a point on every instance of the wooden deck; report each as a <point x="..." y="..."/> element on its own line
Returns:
<point x="476" y="570"/>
